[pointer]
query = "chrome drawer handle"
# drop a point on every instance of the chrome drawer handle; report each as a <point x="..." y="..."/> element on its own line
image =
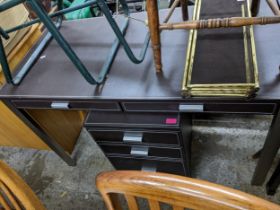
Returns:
<point x="132" y="137"/>
<point x="60" y="105"/>
<point x="185" y="108"/>
<point x="139" y="151"/>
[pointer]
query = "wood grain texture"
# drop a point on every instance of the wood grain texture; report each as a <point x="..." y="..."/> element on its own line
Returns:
<point x="131" y="202"/>
<point x="178" y="191"/>
<point x="57" y="124"/>
<point x="154" y="204"/>
<point x="14" y="132"/>
<point x="221" y="23"/>
<point x="17" y="192"/>
<point x="63" y="126"/>
<point x="21" y="49"/>
<point x="153" y="22"/>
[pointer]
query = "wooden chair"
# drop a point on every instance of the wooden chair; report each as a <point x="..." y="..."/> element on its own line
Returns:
<point x="15" y="193"/>
<point x="155" y="27"/>
<point x="180" y="192"/>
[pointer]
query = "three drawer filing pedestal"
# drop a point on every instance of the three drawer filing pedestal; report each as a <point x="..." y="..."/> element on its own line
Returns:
<point x="143" y="140"/>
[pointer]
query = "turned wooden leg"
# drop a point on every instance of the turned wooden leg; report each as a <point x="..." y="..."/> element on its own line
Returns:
<point x="274" y="7"/>
<point x="184" y="6"/>
<point x="255" y="6"/>
<point x="153" y="22"/>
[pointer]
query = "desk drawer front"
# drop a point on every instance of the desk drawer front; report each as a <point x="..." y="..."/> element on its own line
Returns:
<point x="151" y="106"/>
<point x="246" y="108"/>
<point x="41" y="104"/>
<point x="134" y="120"/>
<point x="151" y="165"/>
<point x="142" y="151"/>
<point x="32" y="104"/>
<point x="96" y="106"/>
<point x="145" y="137"/>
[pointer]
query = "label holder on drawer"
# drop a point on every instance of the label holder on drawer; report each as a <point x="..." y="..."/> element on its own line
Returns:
<point x="190" y="108"/>
<point x="133" y="137"/>
<point x="139" y="151"/>
<point x="60" y="105"/>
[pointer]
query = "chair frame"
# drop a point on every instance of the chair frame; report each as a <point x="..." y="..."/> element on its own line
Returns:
<point x="155" y="27"/>
<point x="53" y="29"/>
<point x="178" y="191"/>
<point x="16" y="191"/>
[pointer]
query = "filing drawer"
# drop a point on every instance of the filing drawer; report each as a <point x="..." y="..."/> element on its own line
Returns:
<point x="41" y="104"/>
<point x="150" y="165"/>
<point x="145" y="137"/>
<point x="242" y="108"/>
<point x="141" y="120"/>
<point x="144" y="151"/>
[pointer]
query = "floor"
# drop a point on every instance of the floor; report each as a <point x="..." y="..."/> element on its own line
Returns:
<point x="223" y="146"/>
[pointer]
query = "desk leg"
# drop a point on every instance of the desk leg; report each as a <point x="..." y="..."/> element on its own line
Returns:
<point x="274" y="182"/>
<point x="269" y="151"/>
<point x="44" y="136"/>
<point x="153" y="22"/>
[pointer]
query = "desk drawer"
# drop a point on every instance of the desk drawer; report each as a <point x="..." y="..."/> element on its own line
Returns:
<point x="151" y="106"/>
<point x="140" y="120"/>
<point x="140" y="151"/>
<point x="41" y="104"/>
<point x="243" y="108"/>
<point x="148" y="165"/>
<point x="96" y="106"/>
<point x="136" y="137"/>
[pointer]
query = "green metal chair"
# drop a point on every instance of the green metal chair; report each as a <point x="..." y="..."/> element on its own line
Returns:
<point x="53" y="32"/>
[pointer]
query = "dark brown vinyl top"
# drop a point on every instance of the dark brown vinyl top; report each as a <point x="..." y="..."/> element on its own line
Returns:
<point x="55" y="77"/>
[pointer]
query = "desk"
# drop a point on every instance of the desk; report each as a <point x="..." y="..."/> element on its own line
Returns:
<point x="137" y="88"/>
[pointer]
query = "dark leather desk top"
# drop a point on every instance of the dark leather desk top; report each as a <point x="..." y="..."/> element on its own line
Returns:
<point x="54" y="76"/>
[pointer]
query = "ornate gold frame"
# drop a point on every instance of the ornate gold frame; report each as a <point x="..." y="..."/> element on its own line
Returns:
<point x="225" y="89"/>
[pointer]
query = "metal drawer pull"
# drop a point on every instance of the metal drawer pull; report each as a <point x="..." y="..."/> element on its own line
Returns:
<point x="139" y="151"/>
<point x="191" y="108"/>
<point x="60" y="105"/>
<point x="132" y="137"/>
<point x="151" y="167"/>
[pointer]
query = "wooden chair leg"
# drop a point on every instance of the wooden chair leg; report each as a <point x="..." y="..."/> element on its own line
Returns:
<point x="255" y="6"/>
<point x="274" y="7"/>
<point x="153" y="22"/>
<point x="184" y="6"/>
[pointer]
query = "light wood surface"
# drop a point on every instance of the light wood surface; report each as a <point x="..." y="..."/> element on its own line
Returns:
<point x="63" y="126"/>
<point x="221" y="23"/>
<point x="21" y="49"/>
<point x="180" y="192"/>
<point x="15" y="193"/>
<point x="153" y="22"/>
<point x="274" y="7"/>
<point x="13" y="132"/>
